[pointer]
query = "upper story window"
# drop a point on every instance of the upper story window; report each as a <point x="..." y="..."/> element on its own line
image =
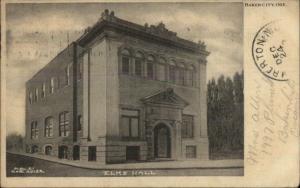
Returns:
<point x="64" y="124"/>
<point x="43" y="92"/>
<point x="49" y="123"/>
<point x="138" y="65"/>
<point x="67" y="75"/>
<point x="30" y="98"/>
<point x="190" y="76"/>
<point x="36" y="94"/>
<point x="129" y="123"/>
<point x="150" y="67"/>
<point x="181" y="71"/>
<point x="52" y="85"/>
<point x="125" y="67"/>
<point x="154" y="68"/>
<point x="161" y="70"/>
<point x="187" y="127"/>
<point x="34" y="131"/>
<point x="172" y="72"/>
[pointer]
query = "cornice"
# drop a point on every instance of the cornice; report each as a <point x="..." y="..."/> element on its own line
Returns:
<point x="158" y="34"/>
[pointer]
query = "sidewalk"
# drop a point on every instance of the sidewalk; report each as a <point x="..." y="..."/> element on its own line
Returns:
<point x="235" y="163"/>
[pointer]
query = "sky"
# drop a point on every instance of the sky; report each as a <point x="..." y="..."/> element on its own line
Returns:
<point x="36" y="33"/>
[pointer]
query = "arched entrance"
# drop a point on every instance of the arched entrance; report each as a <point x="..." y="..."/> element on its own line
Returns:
<point x="63" y="152"/>
<point x="76" y="152"/>
<point x="162" y="141"/>
<point x="48" y="150"/>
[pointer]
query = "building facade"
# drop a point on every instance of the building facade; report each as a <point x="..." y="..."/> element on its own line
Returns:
<point x="121" y="92"/>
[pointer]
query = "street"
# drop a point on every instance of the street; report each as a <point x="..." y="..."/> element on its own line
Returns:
<point x="20" y="166"/>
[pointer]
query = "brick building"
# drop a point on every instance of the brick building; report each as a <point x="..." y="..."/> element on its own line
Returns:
<point x="120" y="92"/>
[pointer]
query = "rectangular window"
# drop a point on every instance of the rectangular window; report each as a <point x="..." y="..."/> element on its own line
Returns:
<point x="79" y="123"/>
<point x="92" y="153"/>
<point x="129" y="123"/>
<point x="52" y="85"/>
<point x="172" y="74"/>
<point x="187" y="126"/>
<point x="132" y="153"/>
<point x="67" y="75"/>
<point x="34" y="130"/>
<point x="138" y="67"/>
<point x="150" y="70"/>
<point x="134" y="127"/>
<point x="125" y="65"/>
<point x="161" y="72"/>
<point x="181" y="76"/>
<point x="125" y="126"/>
<point x="43" y="92"/>
<point x="190" y="75"/>
<point x="49" y="127"/>
<point x="64" y="124"/>
<point x="191" y="152"/>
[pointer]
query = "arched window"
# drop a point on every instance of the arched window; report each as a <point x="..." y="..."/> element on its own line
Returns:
<point x="52" y="80"/>
<point x="30" y="98"/>
<point x="48" y="150"/>
<point x="49" y="126"/>
<point x="172" y="71"/>
<point x="125" y="61"/>
<point x="161" y="70"/>
<point x="180" y="73"/>
<point x="190" y="75"/>
<point x="150" y="67"/>
<point x="36" y="94"/>
<point x="138" y="65"/>
<point x="64" y="124"/>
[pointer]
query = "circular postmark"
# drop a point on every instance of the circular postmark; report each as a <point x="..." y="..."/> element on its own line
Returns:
<point x="269" y="51"/>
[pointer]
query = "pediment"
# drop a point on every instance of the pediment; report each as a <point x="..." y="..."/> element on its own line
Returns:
<point x="165" y="97"/>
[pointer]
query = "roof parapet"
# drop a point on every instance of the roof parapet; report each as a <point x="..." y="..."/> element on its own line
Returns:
<point x="106" y="15"/>
<point x="158" y="30"/>
<point x="201" y="45"/>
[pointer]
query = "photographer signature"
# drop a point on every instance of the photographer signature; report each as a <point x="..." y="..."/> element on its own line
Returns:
<point x="28" y="170"/>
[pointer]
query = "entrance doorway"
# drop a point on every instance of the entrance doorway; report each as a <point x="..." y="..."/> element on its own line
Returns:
<point x="162" y="141"/>
<point x="63" y="152"/>
<point x="76" y="152"/>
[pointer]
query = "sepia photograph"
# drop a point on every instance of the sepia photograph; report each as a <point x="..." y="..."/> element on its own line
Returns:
<point x="167" y="93"/>
<point x="124" y="89"/>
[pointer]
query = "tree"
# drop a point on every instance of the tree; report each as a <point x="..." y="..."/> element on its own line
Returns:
<point x="225" y="100"/>
<point x="14" y="142"/>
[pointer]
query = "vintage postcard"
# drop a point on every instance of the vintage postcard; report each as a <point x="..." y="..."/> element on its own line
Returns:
<point x="149" y="94"/>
